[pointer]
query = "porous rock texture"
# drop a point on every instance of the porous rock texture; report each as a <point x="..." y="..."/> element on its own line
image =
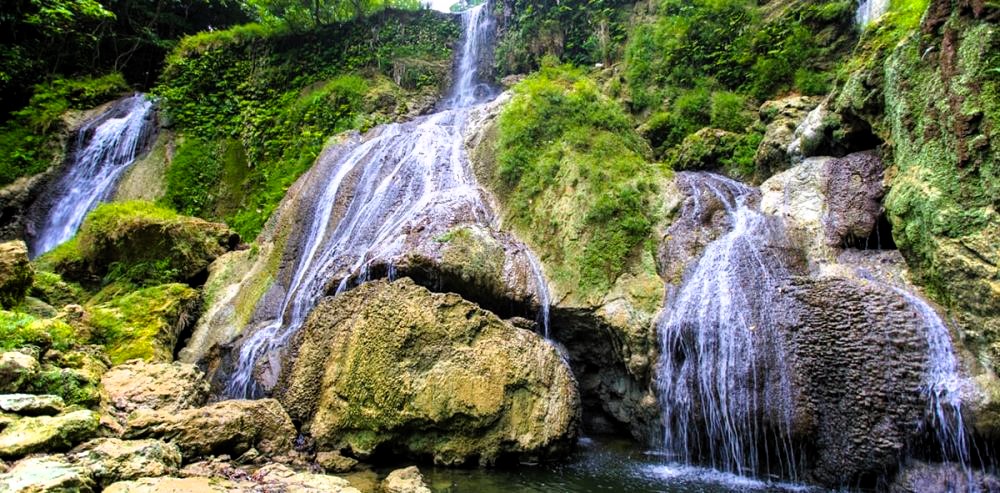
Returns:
<point x="227" y="427"/>
<point x="392" y="367"/>
<point x="858" y="358"/>
<point x="137" y="385"/>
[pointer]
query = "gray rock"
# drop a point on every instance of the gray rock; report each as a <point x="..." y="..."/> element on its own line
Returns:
<point x="17" y="370"/>
<point x="137" y="385"/>
<point x="406" y="480"/>
<point x="48" y="474"/>
<point x="31" y="405"/>
<point x="110" y="460"/>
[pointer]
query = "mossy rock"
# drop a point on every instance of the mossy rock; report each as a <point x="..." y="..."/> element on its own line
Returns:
<point x="140" y="242"/>
<point x="706" y="149"/>
<point x="144" y="324"/>
<point x="393" y="367"/>
<point x="16" y="273"/>
<point x="19" y="330"/>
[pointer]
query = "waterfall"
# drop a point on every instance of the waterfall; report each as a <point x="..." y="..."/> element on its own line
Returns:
<point x="106" y="146"/>
<point x="869" y="11"/>
<point x="400" y="178"/>
<point x="723" y="368"/>
<point x="943" y="386"/>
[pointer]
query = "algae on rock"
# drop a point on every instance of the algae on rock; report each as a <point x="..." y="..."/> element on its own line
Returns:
<point x="393" y="367"/>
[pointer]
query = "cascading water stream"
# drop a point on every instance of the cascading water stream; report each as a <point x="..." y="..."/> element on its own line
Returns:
<point x="943" y="386"/>
<point x="397" y="180"/>
<point x="106" y="147"/>
<point x="722" y="366"/>
<point x="869" y="11"/>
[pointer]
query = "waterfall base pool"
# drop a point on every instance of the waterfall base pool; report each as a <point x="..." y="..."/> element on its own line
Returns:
<point x="599" y="465"/>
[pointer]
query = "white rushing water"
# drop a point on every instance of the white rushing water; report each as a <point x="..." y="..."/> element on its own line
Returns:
<point x="106" y="146"/>
<point x="869" y="11"/>
<point x="399" y="179"/>
<point x="719" y="348"/>
<point x="943" y="385"/>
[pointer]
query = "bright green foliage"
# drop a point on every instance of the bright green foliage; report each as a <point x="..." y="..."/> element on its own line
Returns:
<point x="737" y="44"/>
<point x="256" y="104"/>
<point x="19" y="329"/>
<point x="575" y="177"/>
<point x="301" y="14"/>
<point x="30" y="142"/>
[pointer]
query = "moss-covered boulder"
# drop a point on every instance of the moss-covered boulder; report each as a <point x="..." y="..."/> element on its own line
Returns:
<point x="392" y="367"/>
<point x="142" y="242"/>
<point x="706" y="149"/>
<point x="16" y="273"/>
<point x="144" y="324"/>
<point x="927" y="83"/>
<point x="47" y="433"/>
<point x="782" y="118"/>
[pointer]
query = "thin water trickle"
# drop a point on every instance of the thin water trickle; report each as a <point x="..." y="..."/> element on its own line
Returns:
<point x="398" y="179"/>
<point x="106" y="147"/>
<point x="720" y="350"/>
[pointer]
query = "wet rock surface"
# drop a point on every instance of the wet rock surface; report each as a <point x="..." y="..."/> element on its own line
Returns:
<point x="858" y="359"/>
<point x="394" y="368"/>
<point x="406" y="480"/>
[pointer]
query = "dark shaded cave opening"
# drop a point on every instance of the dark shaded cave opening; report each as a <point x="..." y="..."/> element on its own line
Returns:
<point x="880" y="237"/>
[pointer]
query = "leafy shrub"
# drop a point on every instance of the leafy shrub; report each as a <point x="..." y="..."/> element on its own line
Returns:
<point x="730" y="111"/>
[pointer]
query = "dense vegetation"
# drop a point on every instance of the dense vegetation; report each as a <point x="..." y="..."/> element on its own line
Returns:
<point x="558" y="130"/>
<point x="254" y="105"/>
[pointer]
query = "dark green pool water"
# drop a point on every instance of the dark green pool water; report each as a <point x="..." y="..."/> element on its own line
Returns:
<point x="600" y="466"/>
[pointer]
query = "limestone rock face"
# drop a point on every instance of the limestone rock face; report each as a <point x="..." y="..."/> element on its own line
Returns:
<point x="392" y="366"/>
<point x="17" y="370"/>
<point x="47" y="433"/>
<point x="16" y="273"/>
<point x="109" y="460"/>
<point x="176" y="485"/>
<point x="269" y="478"/>
<point x="782" y="118"/>
<point x="168" y="387"/>
<point x="406" y="480"/>
<point x="227" y="427"/>
<point x="46" y="474"/>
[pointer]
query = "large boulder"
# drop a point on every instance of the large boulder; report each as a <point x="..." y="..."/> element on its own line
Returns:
<point x="269" y="478"/>
<point x="47" y="433"/>
<point x="109" y="460"/>
<point x="227" y="427"/>
<point x="16" y="273"/>
<point x="168" y="387"/>
<point x="391" y="366"/>
<point x="46" y="474"/>
<point x="140" y="239"/>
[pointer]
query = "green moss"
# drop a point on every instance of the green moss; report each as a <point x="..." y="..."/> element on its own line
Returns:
<point x="52" y="289"/>
<point x="138" y="242"/>
<point x="142" y="324"/>
<point x="19" y="330"/>
<point x="73" y="386"/>
<point x="574" y="177"/>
